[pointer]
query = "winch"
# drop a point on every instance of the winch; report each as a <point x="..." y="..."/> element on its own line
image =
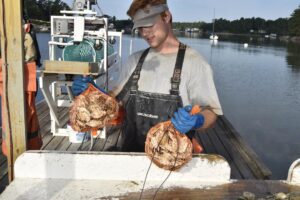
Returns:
<point x="81" y="44"/>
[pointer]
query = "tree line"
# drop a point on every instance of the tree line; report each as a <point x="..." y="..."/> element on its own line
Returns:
<point x="249" y="25"/>
<point x="43" y="9"/>
<point x="281" y="26"/>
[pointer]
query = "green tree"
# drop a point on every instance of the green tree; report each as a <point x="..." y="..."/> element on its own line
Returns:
<point x="43" y="9"/>
<point x="279" y="26"/>
<point x="294" y="23"/>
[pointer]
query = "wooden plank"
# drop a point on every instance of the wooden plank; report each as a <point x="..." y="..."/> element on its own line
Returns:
<point x="43" y="118"/>
<point x="73" y="147"/>
<point x="99" y="144"/>
<point x="40" y="104"/>
<point x="68" y="67"/>
<point x="237" y="171"/>
<point x="3" y="182"/>
<point x="54" y="143"/>
<point x="85" y="146"/>
<point x="82" y="146"/>
<point x="13" y="79"/>
<point x="64" y="145"/>
<point x="46" y="140"/>
<point x="207" y="144"/>
<point x="2" y="157"/>
<point x="235" y="157"/>
<point x="45" y="130"/>
<point x="42" y="109"/>
<point x="44" y="124"/>
<point x="3" y="170"/>
<point x="246" y="152"/>
<point x="112" y="139"/>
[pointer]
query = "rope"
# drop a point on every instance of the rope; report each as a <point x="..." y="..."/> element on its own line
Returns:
<point x="84" y="136"/>
<point x="141" y="194"/>
<point x="169" y="172"/>
<point x="99" y="8"/>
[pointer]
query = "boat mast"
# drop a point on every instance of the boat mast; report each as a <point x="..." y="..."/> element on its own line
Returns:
<point x="213" y="31"/>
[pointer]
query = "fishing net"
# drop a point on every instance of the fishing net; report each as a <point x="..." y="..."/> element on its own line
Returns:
<point x="86" y="51"/>
<point x="92" y="110"/>
<point x="168" y="148"/>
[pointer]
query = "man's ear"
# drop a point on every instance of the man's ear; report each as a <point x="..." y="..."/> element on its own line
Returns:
<point x="167" y="16"/>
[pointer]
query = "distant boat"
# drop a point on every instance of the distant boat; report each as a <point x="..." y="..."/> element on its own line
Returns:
<point x="273" y="36"/>
<point x="213" y="36"/>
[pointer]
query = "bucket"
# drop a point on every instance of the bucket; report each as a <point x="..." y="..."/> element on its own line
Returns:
<point x="77" y="137"/>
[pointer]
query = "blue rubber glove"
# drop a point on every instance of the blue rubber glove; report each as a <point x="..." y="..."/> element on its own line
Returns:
<point x="183" y="121"/>
<point x="81" y="84"/>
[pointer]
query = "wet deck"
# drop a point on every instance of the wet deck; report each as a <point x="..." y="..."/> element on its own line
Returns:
<point x="260" y="188"/>
<point x="223" y="139"/>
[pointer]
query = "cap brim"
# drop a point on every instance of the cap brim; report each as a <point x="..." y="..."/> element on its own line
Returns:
<point x="146" y="22"/>
<point x="147" y="17"/>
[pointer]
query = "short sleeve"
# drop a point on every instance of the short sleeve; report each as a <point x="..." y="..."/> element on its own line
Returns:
<point x="201" y="87"/>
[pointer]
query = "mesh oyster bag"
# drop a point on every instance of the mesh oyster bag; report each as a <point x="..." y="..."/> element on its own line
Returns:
<point x="92" y="110"/>
<point x="168" y="148"/>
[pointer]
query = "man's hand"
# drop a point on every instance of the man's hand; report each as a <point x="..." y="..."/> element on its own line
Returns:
<point x="183" y="121"/>
<point x="81" y="84"/>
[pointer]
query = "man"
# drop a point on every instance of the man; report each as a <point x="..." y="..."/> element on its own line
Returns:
<point x="34" y="140"/>
<point x="159" y="81"/>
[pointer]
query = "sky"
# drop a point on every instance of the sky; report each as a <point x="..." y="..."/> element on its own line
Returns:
<point x="203" y="10"/>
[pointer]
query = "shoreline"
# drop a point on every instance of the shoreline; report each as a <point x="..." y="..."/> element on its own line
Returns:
<point x="283" y="38"/>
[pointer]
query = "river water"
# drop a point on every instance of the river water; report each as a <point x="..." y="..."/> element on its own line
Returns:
<point x="258" y="87"/>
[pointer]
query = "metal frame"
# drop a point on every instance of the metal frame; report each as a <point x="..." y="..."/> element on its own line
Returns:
<point x="51" y="84"/>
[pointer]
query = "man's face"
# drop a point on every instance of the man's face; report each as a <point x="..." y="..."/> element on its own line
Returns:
<point x="155" y="35"/>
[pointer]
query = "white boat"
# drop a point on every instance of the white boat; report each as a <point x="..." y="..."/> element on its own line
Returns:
<point x="213" y="36"/>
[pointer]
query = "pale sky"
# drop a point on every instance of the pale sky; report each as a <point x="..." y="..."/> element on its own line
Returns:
<point x="203" y="10"/>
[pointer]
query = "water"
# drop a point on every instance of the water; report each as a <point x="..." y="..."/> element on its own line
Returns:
<point x="259" y="90"/>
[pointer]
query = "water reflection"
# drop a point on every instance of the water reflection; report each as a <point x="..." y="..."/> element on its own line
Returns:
<point x="213" y="42"/>
<point x="292" y="56"/>
<point x="196" y="34"/>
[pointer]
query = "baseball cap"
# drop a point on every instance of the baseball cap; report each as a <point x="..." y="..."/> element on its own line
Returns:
<point x="147" y="16"/>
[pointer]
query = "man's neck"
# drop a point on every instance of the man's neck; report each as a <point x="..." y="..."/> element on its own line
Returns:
<point x="170" y="45"/>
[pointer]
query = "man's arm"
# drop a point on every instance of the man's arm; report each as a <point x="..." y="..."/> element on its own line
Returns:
<point x="184" y="121"/>
<point x="209" y="119"/>
<point x="30" y="51"/>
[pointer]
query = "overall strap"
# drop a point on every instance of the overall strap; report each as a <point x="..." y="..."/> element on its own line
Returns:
<point x="175" y="80"/>
<point x="137" y="71"/>
<point x="132" y="82"/>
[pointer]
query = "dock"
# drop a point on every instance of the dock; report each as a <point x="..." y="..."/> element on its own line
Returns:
<point x="222" y="139"/>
